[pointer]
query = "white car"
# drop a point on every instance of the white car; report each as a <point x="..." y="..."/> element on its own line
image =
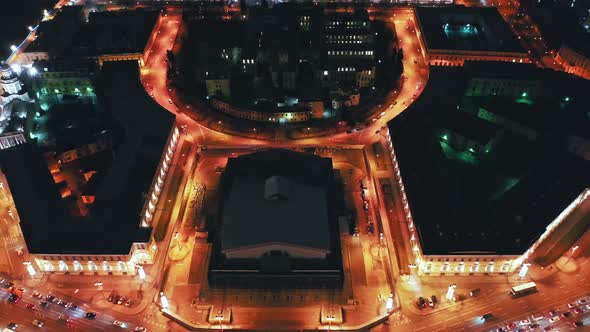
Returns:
<point x="140" y="329"/>
<point x="38" y="323"/>
<point x="583" y="301"/>
<point x="525" y="322"/>
<point x="554" y="319"/>
<point x="571" y="305"/>
<point x="588" y="306"/>
<point x="119" y="324"/>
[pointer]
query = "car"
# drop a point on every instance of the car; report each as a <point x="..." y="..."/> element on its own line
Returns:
<point x="525" y="322"/>
<point x="511" y="326"/>
<point x="38" y="323"/>
<point x="500" y="329"/>
<point x="128" y="303"/>
<point x="170" y="101"/>
<point x="119" y="323"/>
<point x="13" y="298"/>
<point x="43" y="304"/>
<point x="116" y="299"/>
<point x="30" y="306"/>
<point x="578" y="324"/>
<point x="548" y="328"/>
<point x="567" y="314"/>
<point x="588" y="306"/>
<point x="553" y="313"/>
<point x="49" y="298"/>
<point x="434" y="299"/>
<point x="73" y="307"/>
<point x="64" y="318"/>
<point x="8" y="285"/>
<point x="121" y="300"/>
<point x="90" y="315"/>
<point x="571" y="305"/>
<point x="534" y="326"/>
<point x="140" y="329"/>
<point x="583" y="301"/>
<point x="12" y="326"/>
<point x="111" y="297"/>
<point x="578" y="311"/>
<point x="63" y="303"/>
<point x="37" y="295"/>
<point x="554" y="319"/>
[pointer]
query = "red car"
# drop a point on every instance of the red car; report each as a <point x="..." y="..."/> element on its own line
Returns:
<point x="30" y="306"/>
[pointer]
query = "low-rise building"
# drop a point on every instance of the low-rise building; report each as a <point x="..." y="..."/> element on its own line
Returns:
<point x="452" y="35"/>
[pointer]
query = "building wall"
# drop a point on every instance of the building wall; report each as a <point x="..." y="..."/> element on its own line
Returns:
<point x="84" y="264"/>
<point x="574" y="62"/>
<point x="216" y="87"/>
<point x="11" y="139"/>
<point x="502" y="87"/>
<point x="149" y="205"/>
<point x="260" y="116"/>
<point x="27" y="58"/>
<point x="458" y="58"/>
<point x="468" y="264"/>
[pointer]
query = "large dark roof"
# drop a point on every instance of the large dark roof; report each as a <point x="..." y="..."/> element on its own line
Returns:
<point x="493" y="35"/>
<point x="114" y="32"/>
<point x="301" y="218"/>
<point x="113" y="223"/>
<point x="501" y="202"/>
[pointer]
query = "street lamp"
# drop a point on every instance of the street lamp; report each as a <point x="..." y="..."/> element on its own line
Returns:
<point x="523" y="270"/>
<point x="451" y="291"/>
<point x="13" y="48"/>
<point x="163" y="301"/>
<point x="30" y="269"/>
<point x="389" y="303"/>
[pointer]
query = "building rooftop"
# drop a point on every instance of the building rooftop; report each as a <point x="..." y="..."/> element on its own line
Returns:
<point x="298" y="215"/>
<point x="114" y="32"/>
<point x="460" y="28"/>
<point x="113" y="222"/>
<point x="498" y="201"/>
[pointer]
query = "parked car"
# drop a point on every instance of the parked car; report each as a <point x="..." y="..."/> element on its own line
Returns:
<point x="140" y="329"/>
<point x="12" y="326"/>
<point x="90" y="315"/>
<point x="578" y="324"/>
<point x="43" y="304"/>
<point x="37" y="295"/>
<point x="120" y="324"/>
<point x="129" y="302"/>
<point x="38" y="323"/>
<point x="30" y="306"/>
<point x="567" y="314"/>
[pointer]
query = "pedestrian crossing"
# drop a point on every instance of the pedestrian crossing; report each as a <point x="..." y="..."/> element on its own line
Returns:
<point x="148" y="320"/>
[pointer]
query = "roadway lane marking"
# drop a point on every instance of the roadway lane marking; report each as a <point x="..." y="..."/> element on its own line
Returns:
<point x="563" y="286"/>
<point x="418" y="329"/>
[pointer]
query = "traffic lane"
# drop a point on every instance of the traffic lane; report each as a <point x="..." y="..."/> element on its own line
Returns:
<point x="501" y="305"/>
<point x="564" y="323"/>
<point x="53" y="312"/>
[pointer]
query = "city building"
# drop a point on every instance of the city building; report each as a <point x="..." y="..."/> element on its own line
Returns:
<point x="62" y="80"/>
<point x="53" y="36"/>
<point x="104" y="35"/>
<point x="279" y="54"/>
<point x="452" y="35"/>
<point x="278" y="223"/>
<point x="488" y="191"/>
<point x="115" y="237"/>
<point x="8" y="140"/>
<point x="12" y="88"/>
<point x="117" y="35"/>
